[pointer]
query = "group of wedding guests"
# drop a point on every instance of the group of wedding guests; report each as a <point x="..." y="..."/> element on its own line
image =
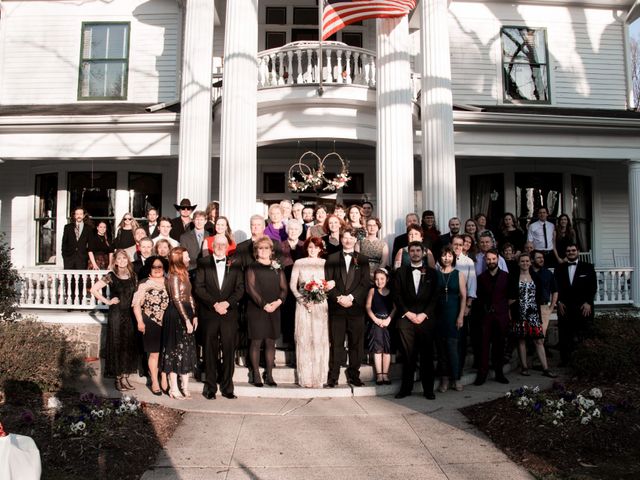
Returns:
<point x="321" y="280"/>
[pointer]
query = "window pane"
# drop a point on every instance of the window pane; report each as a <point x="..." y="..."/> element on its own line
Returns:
<point x="276" y="15"/>
<point x="352" y="38"/>
<point x="275" y="39"/>
<point x="274" y="182"/>
<point x="581" y="210"/>
<point x="96" y="192"/>
<point x="536" y="189"/>
<point x="526" y="82"/>
<point x="117" y="41"/>
<point x="523" y="45"/>
<point x="305" y="16"/>
<point x="45" y="213"/>
<point x="114" y="81"/>
<point x="145" y="192"/>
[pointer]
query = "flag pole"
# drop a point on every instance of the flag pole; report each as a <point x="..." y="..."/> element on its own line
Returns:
<point x="320" y="11"/>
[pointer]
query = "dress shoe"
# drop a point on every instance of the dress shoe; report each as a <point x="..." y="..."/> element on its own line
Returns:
<point x="429" y="395"/>
<point x="209" y="395"/>
<point x="402" y="394"/>
<point x="356" y="382"/>
<point x="230" y="396"/>
<point x="502" y="379"/>
<point x="480" y="379"/>
<point x="268" y="379"/>
<point x="548" y="373"/>
<point x="330" y="384"/>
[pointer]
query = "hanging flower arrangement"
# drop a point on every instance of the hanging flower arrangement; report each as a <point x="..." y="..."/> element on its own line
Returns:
<point x="303" y="177"/>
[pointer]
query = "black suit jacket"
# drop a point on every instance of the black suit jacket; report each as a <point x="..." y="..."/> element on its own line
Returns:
<point x="399" y="242"/>
<point x="208" y="291"/>
<point x="356" y="282"/>
<point x="177" y="228"/>
<point x="424" y="301"/>
<point x="75" y="248"/>
<point x="156" y="231"/>
<point x="584" y="287"/>
<point x="189" y="241"/>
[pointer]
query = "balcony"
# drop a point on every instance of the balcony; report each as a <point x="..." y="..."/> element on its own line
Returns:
<point x="297" y="64"/>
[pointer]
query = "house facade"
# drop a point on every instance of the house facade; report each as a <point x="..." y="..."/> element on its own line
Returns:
<point x="463" y="107"/>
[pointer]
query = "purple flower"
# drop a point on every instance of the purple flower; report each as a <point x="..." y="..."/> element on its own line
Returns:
<point x="537" y="407"/>
<point x="609" y="409"/>
<point x="87" y="397"/>
<point x="27" y="416"/>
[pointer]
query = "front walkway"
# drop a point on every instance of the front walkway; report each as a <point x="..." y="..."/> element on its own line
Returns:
<point x="337" y="438"/>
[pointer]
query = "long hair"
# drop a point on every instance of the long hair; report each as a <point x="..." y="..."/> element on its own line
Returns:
<point x="318" y="243"/>
<point x="228" y="232"/>
<point x="569" y="232"/>
<point x="325" y="225"/>
<point x="122" y="252"/>
<point x="503" y="227"/>
<point x="176" y="264"/>
<point x="134" y="223"/>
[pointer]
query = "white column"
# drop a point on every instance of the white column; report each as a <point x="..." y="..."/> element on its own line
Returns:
<point x="238" y="137"/>
<point x="194" y="168"/>
<point x="394" y="150"/>
<point x="634" y="221"/>
<point x="436" y="103"/>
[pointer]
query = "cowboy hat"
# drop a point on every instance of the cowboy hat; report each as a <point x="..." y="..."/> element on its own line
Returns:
<point x="184" y="203"/>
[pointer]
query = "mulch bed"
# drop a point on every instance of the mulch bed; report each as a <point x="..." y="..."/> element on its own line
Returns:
<point x="606" y="449"/>
<point x="121" y="447"/>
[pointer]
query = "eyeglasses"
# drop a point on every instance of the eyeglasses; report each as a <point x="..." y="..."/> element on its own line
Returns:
<point x="157" y="267"/>
<point x="127" y="219"/>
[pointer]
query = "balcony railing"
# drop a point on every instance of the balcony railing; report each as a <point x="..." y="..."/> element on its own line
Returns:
<point x="297" y="63"/>
<point x="69" y="289"/>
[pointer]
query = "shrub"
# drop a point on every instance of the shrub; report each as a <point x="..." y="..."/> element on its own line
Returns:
<point x="39" y="353"/>
<point x="612" y="352"/>
<point x="9" y="281"/>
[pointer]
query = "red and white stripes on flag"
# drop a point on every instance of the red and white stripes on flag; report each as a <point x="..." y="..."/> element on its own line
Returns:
<point x="337" y="14"/>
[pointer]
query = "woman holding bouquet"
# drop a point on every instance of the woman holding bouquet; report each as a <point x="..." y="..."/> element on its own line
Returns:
<point x="312" y="315"/>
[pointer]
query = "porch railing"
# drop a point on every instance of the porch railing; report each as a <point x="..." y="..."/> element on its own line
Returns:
<point x="297" y="63"/>
<point x="60" y="289"/>
<point x="69" y="289"/>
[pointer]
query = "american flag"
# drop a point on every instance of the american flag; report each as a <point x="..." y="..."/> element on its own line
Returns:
<point x="337" y="14"/>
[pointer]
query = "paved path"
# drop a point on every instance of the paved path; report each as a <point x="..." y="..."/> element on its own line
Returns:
<point x="338" y="438"/>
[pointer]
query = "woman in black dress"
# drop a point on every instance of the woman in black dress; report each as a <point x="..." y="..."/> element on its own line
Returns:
<point x="267" y="290"/>
<point x="180" y="323"/>
<point x="510" y="232"/>
<point x="331" y="240"/>
<point x="124" y="234"/>
<point x="120" y="353"/>
<point x="149" y="304"/>
<point x="100" y="248"/>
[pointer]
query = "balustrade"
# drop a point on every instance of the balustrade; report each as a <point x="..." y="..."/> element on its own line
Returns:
<point x="614" y="286"/>
<point x="297" y="63"/>
<point x="60" y="289"/>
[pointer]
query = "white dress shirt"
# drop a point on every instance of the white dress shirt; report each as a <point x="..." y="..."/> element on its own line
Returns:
<point x="220" y="269"/>
<point x="171" y="241"/>
<point x="572" y="272"/>
<point x="536" y="235"/>
<point x="416" y="276"/>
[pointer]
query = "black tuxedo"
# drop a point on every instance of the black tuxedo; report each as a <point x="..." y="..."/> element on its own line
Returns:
<point x="573" y="325"/>
<point x="416" y="340"/>
<point x="75" y="255"/>
<point x="347" y="321"/>
<point x="140" y="267"/>
<point x="178" y="228"/>
<point x="218" y="331"/>
<point x="156" y="230"/>
<point x="399" y="243"/>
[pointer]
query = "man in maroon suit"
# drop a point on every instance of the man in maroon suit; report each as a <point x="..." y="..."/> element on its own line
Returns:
<point x="493" y="309"/>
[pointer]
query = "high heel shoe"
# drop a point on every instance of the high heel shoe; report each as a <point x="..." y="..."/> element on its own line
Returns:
<point x="379" y="380"/>
<point x="385" y="379"/>
<point x="126" y="384"/>
<point x="119" y="386"/>
<point x="186" y="394"/>
<point x="268" y="379"/>
<point x="257" y="382"/>
<point x="176" y="395"/>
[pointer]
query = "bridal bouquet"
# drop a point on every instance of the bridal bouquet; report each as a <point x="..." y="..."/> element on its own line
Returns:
<point x="315" y="291"/>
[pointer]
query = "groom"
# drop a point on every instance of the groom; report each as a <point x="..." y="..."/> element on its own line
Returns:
<point x="350" y="272"/>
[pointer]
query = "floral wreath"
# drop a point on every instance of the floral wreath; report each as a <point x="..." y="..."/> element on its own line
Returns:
<point x="314" y="178"/>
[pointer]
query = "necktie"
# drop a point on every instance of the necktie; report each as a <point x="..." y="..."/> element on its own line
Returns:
<point x="544" y="232"/>
<point x="77" y="231"/>
<point x="199" y="237"/>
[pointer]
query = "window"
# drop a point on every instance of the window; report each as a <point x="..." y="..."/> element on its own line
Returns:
<point x="525" y="65"/>
<point x="95" y="192"/>
<point x="274" y="182"/>
<point x="582" y="210"/>
<point x="45" y="217"/>
<point x="353" y="39"/>
<point x="276" y="15"/>
<point x="145" y="192"/>
<point x="104" y="62"/>
<point x="487" y="197"/>
<point x="355" y="185"/>
<point x="275" y="39"/>
<point x="534" y="190"/>
<point x="305" y="16"/>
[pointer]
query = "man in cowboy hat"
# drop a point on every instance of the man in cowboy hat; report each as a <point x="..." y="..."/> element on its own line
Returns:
<point x="182" y="224"/>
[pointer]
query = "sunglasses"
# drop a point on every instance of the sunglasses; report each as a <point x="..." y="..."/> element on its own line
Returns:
<point x="128" y="219"/>
<point x="186" y="208"/>
<point x="157" y="267"/>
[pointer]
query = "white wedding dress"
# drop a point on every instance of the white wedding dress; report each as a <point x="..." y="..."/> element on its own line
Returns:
<point x="312" y="326"/>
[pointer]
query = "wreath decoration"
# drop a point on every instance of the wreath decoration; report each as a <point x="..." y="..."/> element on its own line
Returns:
<point x="313" y="177"/>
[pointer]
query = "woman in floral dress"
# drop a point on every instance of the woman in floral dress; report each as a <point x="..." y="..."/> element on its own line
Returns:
<point x="377" y="250"/>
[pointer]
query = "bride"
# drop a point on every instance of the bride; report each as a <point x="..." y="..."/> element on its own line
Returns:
<point x="312" y="318"/>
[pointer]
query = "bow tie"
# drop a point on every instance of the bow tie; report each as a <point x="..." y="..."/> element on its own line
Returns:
<point x="220" y="260"/>
<point x="348" y="254"/>
<point x="572" y="263"/>
<point x="416" y="268"/>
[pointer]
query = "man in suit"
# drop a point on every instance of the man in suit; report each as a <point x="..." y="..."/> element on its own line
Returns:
<point x="577" y="286"/>
<point x="492" y="305"/>
<point x="454" y="229"/>
<point x="219" y="287"/>
<point x="151" y="225"/>
<point x="193" y="240"/>
<point x="140" y="267"/>
<point x="244" y="250"/>
<point x="350" y="272"/>
<point x="402" y="240"/>
<point x="182" y="224"/>
<point x="415" y="298"/>
<point x="75" y="236"/>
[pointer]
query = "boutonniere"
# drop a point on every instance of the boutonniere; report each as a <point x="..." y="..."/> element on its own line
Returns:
<point x="228" y="265"/>
<point x="275" y="266"/>
<point x="354" y="260"/>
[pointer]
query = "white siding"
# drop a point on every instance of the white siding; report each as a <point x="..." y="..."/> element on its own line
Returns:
<point x="611" y="216"/>
<point x="585" y="46"/>
<point x="40" y="49"/>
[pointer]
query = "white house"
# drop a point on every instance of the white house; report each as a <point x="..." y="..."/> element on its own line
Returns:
<point x="463" y="107"/>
